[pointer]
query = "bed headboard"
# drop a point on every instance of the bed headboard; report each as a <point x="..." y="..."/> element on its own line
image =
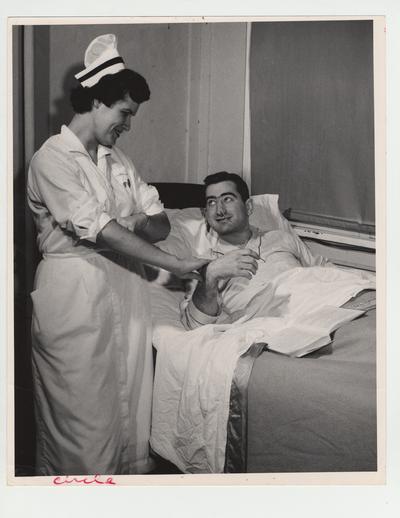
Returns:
<point x="176" y="195"/>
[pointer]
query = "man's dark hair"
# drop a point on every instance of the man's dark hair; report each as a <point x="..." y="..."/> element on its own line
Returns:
<point x="224" y="176"/>
<point x="110" y="89"/>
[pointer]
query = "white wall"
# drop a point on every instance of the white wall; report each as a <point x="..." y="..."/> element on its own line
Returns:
<point x="193" y="123"/>
<point x="217" y="97"/>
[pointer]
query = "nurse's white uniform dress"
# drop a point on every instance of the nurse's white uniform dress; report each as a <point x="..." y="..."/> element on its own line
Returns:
<point x="91" y="329"/>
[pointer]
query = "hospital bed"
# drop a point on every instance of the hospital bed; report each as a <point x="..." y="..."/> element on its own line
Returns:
<point x="312" y="414"/>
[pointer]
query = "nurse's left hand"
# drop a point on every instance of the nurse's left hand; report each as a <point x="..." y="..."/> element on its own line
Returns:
<point x="135" y="222"/>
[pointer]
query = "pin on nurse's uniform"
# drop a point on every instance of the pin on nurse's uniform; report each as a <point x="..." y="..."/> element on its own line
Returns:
<point x="92" y="354"/>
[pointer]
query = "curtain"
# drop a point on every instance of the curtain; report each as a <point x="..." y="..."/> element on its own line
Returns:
<point x="312" y="126"/>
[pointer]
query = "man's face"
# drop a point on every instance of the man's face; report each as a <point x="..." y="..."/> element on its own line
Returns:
<point x="110" y="122"/>
<point x="225" y="210"/>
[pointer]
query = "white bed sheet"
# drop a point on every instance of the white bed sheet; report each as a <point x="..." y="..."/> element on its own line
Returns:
<point x="194" y="369"/>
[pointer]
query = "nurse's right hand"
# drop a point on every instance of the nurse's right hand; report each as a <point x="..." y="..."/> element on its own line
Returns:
<point x="189" y="268"/>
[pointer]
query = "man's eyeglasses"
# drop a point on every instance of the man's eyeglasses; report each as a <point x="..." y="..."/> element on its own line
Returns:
<point x="221" y="254"/>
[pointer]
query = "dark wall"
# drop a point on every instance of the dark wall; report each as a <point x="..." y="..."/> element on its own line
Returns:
<point x="30" y="129"/>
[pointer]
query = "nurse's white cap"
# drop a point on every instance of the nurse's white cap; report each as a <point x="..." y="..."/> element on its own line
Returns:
<point x="101" y="58"/>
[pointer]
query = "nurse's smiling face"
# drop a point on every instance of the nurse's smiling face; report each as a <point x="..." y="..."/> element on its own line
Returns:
<point x="110" y="121"/>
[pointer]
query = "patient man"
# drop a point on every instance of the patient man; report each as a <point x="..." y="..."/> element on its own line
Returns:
<point x="244" y="259"/>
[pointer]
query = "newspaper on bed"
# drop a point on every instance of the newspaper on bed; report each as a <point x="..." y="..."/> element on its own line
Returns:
<point x="313" y="332"/>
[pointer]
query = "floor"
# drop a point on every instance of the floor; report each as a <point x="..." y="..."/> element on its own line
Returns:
<point x="165" y="468"/>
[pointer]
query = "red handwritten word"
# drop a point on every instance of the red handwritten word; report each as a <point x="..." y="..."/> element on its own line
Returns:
<point x="67" y="479"/>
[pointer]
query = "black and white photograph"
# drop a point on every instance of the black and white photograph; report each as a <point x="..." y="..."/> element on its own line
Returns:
<point x="194" y="244"/>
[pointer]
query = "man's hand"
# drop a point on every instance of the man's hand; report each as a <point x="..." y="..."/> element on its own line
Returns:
<point x="238" y="263"/>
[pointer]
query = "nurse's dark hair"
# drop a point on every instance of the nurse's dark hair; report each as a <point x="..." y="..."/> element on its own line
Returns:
<point x="110" y="89"/>
<point x="224" y="176"/>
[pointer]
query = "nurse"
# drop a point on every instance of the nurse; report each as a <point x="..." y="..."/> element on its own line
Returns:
<point x="91" y="329"/>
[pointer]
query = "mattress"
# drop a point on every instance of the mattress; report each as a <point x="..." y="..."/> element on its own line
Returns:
<point x="317" y="413"/>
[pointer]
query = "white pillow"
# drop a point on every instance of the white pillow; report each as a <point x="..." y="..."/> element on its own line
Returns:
<point x="189" y="234"/>
<point x="266" y="214"/>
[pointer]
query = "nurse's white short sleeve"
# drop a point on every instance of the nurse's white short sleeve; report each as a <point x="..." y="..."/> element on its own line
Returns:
<point x="149" y="199"/>
<point x="56" y="191"/>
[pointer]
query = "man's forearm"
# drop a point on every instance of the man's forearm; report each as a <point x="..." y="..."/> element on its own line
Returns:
<point x="205" y="298"/>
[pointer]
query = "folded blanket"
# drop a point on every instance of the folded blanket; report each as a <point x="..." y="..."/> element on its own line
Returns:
<point x="294" y="293"/>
